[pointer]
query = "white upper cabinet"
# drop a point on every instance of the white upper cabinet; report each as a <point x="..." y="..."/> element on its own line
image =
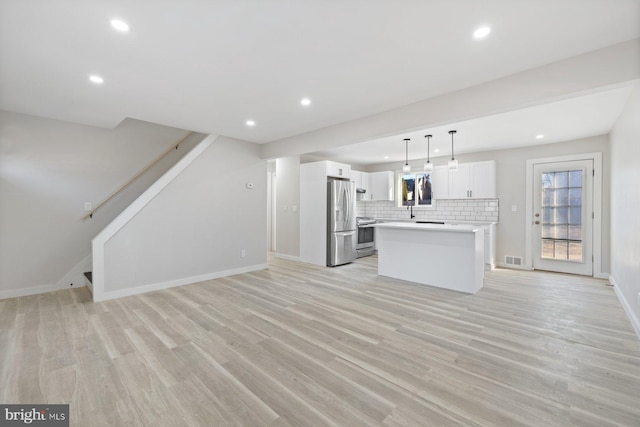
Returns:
<point x="483" y="180"/>
<point x="356" y="178"/>
<point x="473" y="180"/>
<point x="361" y="179"/>
<point x="459" y="181"/>
<point x="380" y="186"/>
<point x="338" y="170"/>
<point x="440" y="182"/>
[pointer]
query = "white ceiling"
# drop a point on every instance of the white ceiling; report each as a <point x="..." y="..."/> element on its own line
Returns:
<point x="210" y="65"/>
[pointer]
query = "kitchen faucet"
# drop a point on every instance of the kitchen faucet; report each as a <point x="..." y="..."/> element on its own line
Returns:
<point x="410" y="209"/>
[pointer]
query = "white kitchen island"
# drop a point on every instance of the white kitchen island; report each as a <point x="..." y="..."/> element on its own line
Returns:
<point x="446" y="256"/>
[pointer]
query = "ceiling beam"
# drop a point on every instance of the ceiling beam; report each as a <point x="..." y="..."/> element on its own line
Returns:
<point x="579" y="75"/>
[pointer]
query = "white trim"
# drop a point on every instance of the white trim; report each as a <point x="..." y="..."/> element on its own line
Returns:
<point x="32" y="290"/>
<point x="635" y="322"/>
<point x="597" y="207"/>
<point x="104" y="296"/>
<point x="133" y="209"/>
<point x="75" y="276"/>
<point x="289" y="257"/>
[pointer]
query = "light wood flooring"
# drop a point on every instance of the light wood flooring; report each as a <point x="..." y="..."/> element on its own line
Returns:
<point x="309" y="346"/>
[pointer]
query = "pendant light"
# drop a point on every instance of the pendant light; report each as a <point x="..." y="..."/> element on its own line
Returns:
<point x="406" y="168"/>
<point x="428" y="166"/>
<point x="453" y="163"/>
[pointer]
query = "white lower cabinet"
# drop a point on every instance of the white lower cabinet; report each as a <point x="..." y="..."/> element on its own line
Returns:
<point x="489" y="246"/>
<point x="489" y="242"/>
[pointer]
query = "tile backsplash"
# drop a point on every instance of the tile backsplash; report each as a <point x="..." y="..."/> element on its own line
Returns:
<point x="482" y="210"/>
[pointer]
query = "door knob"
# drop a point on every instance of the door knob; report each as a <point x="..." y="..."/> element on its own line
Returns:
<point x="537" y="222"/>
<point x="537" y="215"/>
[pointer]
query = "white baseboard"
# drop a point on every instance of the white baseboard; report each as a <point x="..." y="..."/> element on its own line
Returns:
<point x="74" y="276"/>
<point x="173" y="283"/>
<point x="288" y="257"/>
<point x="32" y="290"/>
<point x="635" y="322"/>
<point x="604" y="276"/>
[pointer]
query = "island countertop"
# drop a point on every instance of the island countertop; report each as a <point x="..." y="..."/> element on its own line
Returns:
<point x="456" y="228"/>
<point x="424" y="220"/>
<point x="442" y="255"/>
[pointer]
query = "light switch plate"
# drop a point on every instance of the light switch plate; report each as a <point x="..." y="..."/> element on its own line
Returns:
<point x="87" y="206"/>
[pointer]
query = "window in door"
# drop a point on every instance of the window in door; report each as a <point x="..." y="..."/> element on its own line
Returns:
<point x="562" y="228"/>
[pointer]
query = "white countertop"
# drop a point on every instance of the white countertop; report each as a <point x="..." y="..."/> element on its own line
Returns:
<point x="446" y="221"/>
<point x="461" y="228"/>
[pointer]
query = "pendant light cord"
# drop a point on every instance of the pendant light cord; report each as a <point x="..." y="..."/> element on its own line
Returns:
<point x="406" y="145"/>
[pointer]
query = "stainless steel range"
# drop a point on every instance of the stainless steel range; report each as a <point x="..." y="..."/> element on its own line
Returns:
<point x="366" y="236"/>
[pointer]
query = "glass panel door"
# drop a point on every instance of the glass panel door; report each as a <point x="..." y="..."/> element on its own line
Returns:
<point x="562" y="217"/>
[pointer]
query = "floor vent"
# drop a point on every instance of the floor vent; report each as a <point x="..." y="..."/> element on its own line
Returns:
<point x="512" y="260"/>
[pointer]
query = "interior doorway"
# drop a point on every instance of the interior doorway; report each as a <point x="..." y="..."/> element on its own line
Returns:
<point x="271" y="205"/>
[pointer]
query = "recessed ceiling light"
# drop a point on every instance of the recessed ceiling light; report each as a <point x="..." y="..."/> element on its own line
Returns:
<point x="386" y="157"/>
<point x="250" y="123"/>
<point x="120" y="25"/>
<point x="305" y="101"/>
<point x="96" y="79"/>
<point x="481" y="32"/>
<point x="539" y="136"/>
<point x="437" y="150"/>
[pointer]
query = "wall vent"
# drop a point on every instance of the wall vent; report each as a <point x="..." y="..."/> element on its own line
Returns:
<point x="512" y="260"/>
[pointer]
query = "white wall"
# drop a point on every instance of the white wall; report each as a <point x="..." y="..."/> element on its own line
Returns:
<point x="511" y="183"/>
<point x="48" y="169"/>
<point x="287" y="207"/>
<point x="625" y="203"/>
<point x="197" y="226"/>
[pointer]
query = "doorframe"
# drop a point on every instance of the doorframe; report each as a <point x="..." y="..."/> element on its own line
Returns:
<point x="597" y="208"/>
<point x="271" y="211"/>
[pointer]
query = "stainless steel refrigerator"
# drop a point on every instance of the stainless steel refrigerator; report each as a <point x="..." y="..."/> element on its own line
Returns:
<point x="342" y="234"/>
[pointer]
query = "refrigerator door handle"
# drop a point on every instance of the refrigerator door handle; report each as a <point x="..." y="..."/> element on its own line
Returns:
<point x="348" y="192"/>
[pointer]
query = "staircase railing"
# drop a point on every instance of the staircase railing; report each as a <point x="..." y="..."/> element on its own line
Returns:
<point x="136" y="176"/>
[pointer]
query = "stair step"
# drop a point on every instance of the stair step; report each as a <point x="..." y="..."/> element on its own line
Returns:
<point x="89" y="276"/>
